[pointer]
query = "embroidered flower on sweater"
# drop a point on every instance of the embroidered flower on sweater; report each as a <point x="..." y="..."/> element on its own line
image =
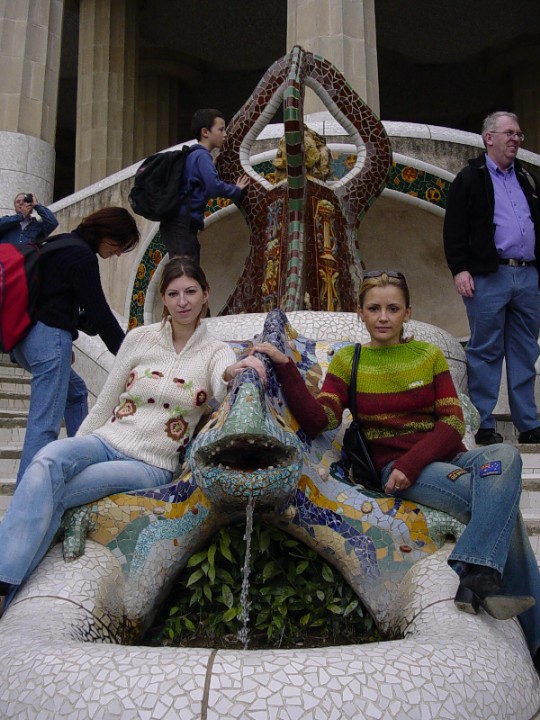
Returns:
<point x="176" y="427"/>
<point x="180" y="382"/>
<point x="127" y="408"/>
<point x="200" y="398"/>
<point x="134" y="376"/>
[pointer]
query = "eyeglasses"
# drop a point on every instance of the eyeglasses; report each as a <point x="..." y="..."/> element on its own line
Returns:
<point x="509" y="134"/>
<point x="391" y="274"/>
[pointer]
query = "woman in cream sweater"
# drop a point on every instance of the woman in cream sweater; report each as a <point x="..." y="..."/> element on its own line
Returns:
<point x="160" y="385"/>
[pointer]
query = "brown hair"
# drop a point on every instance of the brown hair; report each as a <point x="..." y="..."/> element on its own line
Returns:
<point x="204" y="119"/>
<point x="183" y="266"/>
<point x="114" y="223"/>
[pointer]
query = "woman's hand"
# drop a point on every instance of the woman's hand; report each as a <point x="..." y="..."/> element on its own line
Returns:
<point x="248" y="362"/>
<point x="397" y="482"/>
<point x="275" y="355"/>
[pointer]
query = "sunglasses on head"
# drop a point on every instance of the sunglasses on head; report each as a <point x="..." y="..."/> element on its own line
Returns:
<point x="391" y="273"/>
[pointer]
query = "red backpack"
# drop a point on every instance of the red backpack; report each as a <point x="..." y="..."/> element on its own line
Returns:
<point x="20" y="284"/>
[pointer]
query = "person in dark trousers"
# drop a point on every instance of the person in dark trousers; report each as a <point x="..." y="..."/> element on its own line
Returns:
<point x="201" y="182"/>
<point x="70" y="280"/>
<point x="22" y="227"/>
<point x="492" y="246"/>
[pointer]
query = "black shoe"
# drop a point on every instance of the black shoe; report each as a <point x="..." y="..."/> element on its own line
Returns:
<point x="530" y="437"/>
<point x="4" y="588"/>
<point x="488" y="436"/>
<point x="481" y="586"/>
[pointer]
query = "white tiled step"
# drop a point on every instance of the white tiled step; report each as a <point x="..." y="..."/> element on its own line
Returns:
<point x="10" y="399"/>
<point x="8" y="368"/>
<point x="11" y="384"/>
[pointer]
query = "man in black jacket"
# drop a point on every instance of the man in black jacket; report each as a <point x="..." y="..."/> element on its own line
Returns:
<point x="492" y="246"/>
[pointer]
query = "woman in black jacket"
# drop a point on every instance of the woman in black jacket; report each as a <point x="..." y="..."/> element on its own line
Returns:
<point x="69" y="280"/>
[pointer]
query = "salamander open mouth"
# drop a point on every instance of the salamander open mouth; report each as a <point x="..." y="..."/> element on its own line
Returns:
<point x="246" y="453"/>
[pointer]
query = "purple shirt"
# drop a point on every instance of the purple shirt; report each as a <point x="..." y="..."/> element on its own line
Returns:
<point x="514" y="228"/>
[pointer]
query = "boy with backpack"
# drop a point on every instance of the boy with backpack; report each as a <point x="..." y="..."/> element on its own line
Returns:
<point x="200" y="183"/>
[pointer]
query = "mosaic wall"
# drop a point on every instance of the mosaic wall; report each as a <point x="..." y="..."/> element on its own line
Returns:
<point x="403" y="178"/>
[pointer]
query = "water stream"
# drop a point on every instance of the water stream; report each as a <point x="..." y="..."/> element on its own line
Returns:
<point x="243" y="633"/>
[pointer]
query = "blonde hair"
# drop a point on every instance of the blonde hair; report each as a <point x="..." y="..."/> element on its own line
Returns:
<point x="383" y="278"/>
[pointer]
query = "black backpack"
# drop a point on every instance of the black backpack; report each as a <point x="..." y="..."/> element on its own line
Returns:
<point x="156" y="192"/>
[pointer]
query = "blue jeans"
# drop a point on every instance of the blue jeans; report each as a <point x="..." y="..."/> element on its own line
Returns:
<point x="64" y="474"/>
<point x="486" y="499"/>
<point x="55" y="389"/>
<point x="504" y="318"/>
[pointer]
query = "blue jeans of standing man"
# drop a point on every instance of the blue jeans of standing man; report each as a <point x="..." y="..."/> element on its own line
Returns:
<point x="486" y="499"/>
<point x="55" y="389"/>
<point x="504" y="318"/>
<point x="64" y="474"/>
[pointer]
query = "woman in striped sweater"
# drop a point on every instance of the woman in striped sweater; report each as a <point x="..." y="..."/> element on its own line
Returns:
<point x="411" y="415"/>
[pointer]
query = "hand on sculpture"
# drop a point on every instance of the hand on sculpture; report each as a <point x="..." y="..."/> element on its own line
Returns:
<point x="275" y="355"/>
<point x="243" y="181"/>
<point x="248" y="362"/>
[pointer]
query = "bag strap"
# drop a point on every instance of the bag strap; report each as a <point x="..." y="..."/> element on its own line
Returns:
<point x="60" y="241"/>
<point x="352" y="383"/>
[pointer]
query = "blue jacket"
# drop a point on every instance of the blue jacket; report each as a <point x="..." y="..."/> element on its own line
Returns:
<point x="11" y="232"/>
<point x="201" y="179"/>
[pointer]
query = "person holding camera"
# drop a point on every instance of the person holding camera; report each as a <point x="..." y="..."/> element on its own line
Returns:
<point x="23" y="227"/>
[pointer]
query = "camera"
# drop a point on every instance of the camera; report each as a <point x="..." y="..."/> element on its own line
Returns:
<point x="28" y="198"/>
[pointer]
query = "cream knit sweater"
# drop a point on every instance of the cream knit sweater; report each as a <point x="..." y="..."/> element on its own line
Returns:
<point x="154" y="397"/>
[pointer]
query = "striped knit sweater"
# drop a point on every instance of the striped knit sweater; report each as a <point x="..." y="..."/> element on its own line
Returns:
<point x="406" y="401"/>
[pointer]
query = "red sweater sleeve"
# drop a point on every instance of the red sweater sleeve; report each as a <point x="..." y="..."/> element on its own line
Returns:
<point x="444" y="441"/>
<point x="306" y="409"/>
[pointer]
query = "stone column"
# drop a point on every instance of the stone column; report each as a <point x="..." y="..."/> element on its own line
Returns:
<point x="343" y="32"/>
<point x="526" y="92"/>
<point x="165" y="77"/>
<point x="106" y="89"/>
<point x="519" y="63"/>
<point x="30" y="34"/>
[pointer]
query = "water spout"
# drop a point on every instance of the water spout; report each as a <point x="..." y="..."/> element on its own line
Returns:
<point x="245" y="603"/>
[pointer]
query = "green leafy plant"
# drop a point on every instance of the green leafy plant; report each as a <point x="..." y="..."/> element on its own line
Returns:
<point x="296" y="598"/>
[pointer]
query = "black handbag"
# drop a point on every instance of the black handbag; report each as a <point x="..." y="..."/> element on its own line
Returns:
<point x="356" y="456"/>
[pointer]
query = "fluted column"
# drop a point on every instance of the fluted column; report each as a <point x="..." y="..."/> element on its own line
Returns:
<point x="30" y="34"/>
<point x="343" y="32"/>
<point x="106" y="88"/>
<point x="526" y="95"/>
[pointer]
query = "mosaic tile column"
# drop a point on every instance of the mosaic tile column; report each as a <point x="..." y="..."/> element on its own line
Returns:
<point x="30" y="60"/>
<point x="344" y="33"/>
<point x="106" y="89"/>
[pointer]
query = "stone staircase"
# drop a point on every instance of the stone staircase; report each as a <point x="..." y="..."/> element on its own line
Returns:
<point x="14" y="399"/>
